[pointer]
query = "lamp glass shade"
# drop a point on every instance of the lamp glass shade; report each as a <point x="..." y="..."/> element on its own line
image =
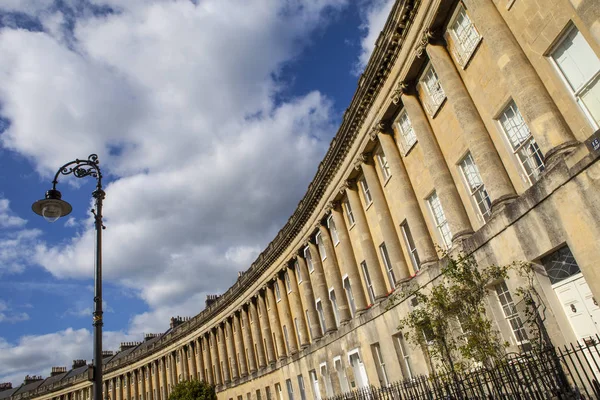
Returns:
<point x="51" y="209"/>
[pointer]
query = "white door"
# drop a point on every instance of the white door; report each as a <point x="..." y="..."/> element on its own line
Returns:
<point x="360" y="373"/>
<point x="580" y="307"/>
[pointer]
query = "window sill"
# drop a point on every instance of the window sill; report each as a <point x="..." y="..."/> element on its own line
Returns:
<point x="289" y="291"/>
<point x="351" y="226"/>
<point x="369" y="205"/>
<point x="335" y="244"/>
<point x="434" y="112"/>
<point x="469" y="57"/>
<point x="412" y="146"/>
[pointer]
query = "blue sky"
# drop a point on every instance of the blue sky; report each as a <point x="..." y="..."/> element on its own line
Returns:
<point x="209" y="117"/>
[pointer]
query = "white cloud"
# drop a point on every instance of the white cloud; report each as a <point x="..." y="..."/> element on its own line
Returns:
<point x="7" y="219"/>
<point x="7" y="314"/>
<point x="17" y="249"/>
<point x="374" y="14"/>
<point x="180" y="103"/>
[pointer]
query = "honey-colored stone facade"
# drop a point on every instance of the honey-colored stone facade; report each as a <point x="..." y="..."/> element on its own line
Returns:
<point x="315" y="302"/>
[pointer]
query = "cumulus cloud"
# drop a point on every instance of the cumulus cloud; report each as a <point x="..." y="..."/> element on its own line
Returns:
<point x="9" y="315"/>
<point x="7" y="218"/>
<point x="180" y="101"/>
<point x="374" y="14"/>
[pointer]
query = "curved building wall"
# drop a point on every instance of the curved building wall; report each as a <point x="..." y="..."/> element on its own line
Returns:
<point x="463" y="134"/>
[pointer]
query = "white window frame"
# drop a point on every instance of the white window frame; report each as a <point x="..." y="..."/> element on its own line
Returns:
<point x="368" y="282"/>
<point x="298" y="272"/>
<point x="315" y="384"/>
<point x="297" y="328"/>
<point x="310" y="333"/>
<point x="463" y="45"/>
<point x="301" y="387"/>
<point x="527" y="153"/>
<point x="401" y="346"/>
<point x="278" y="390"/>
<point x="321" y="315"/>
<point x="326" y="379"/>
<point x="309" y="260"/>
<point x="286" y="336"/>
<point x="349" y="294"/>
<point x="333" y="230"/>
<point x="277" y="294"/>
<point x="442" y="227"/>
<point x="432" y="89"/>
<point x="288" y="282"/>
<point x="576" y="93"/>
<point x="475" y="187"/>
<point x="511" y="315"/>
<point x="290" y="388"/>
<point x="321" y="246"/>
<point x="389" y="270"/>
<point x="380" y="364"/>
<point x="406" y="133"/>
<point x="342" y="376"/>
<point x="409" y="242"/>
<point x="366" y="191"/>
<point x="384" y="166"/>
<point x="334" y="306"/>
<point x="349" y="213"/>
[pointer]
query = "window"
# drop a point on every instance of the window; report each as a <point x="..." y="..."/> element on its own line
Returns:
<point x="268" y="392"/>
<point x="403" y="356"/>
<point x="439" y="218"/>
<point x="580" y="67"/>
<point x="333" y="230"/>
<point x="383" y="164"/>
<point x="511" y="314"/>
<point x="319" y="307"/>
<point x="349" y="296"/>
<point x="349" y="214"/>
<point x="368" y="282"/>
<point x="278" y="391"/>
<point x="301" y="387"/>
<point x="388" y="265"/>
<point x="476" y="187"/>
<point x="308" y="258"/>
<point x="560" y="265"/>
<point x="248" y="396"/>
<point x="298" y="272"/>
<point x="434" y="92"/>
<point x="315" y="384"/>
<point x="275" y="345"/>
<point x="290" y="389"/>
<point x="277" y="295"/>
<point x="410" y="245"/>
<point x="326" y="379"/>
<point x="310" y="333"/>
<point x="287" y="339"/>
<point x="321" y="245"/>
<point x="334" y="305"/>
<point x="341" y="373"/>
<point x="366" y="191"/>
<point x="522" y="143"/>
<point x="297" y="328"/>
<point x="464" y="35"/>
<point x="407" y="134"/>
<point x="380" y="364"/>
<point x="258" y="395"/>
<point x="288" y="284"/>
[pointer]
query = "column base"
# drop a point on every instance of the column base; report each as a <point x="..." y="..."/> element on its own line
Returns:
<point x="460" y="236"/>
<point x="501" y="202"/>
<point x="554" y="154"/>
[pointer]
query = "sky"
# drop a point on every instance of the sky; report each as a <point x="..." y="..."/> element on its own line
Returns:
<point x="209" y="117"/>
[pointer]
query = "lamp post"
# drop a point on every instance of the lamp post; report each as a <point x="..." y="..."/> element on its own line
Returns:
<point x="52" y="207"/>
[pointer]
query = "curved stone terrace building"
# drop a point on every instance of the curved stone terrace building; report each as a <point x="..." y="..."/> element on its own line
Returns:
<point x="473" y="128"/>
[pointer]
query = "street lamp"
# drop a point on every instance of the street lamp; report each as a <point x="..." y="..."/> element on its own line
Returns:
<point x="52" y="207"/>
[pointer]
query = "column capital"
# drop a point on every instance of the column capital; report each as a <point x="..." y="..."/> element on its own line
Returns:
<point x="364" y="158"/>
<point x="426" y="36"/>
<point x="399" y="90"/>
<point x="383" y="126"/>
<point x="350" y="184"/>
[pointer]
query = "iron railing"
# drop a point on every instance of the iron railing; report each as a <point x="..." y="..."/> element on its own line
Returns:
<point x="569" y="373"/>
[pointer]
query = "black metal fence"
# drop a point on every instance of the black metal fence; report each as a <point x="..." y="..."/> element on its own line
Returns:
<point x="570" y="372"/>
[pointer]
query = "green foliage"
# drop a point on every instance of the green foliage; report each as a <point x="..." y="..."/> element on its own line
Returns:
<point x="449" y="320"/>
<point x="193" y="390"/>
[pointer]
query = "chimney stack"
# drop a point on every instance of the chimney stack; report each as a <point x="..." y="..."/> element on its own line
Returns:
<point x="176" y="321"/>
<point x="5" y="386"/>
<point x="32" y="378"/>
<point x="79" y="363"/>
<point x="58" y="370"/>
<point x="128" y="345"/>
<point x="211" y="299"/>
<point x="107" y="353"/>
<point x="149" y="336"/>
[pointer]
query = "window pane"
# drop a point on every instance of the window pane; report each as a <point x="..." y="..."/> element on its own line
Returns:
<point x="576" y="59"/>
<point x="440" y="219"/>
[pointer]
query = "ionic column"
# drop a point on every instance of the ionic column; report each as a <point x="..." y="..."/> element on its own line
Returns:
<point x="546" y="123"/>
<point x="435" y="163"/>
<point x="207" y="357"/>
<point x="184" y="363"/>
<point x="259" y="348"/>
<point x="296" y="307"/>
<point x="231" y="350"/>
<point x="214" y="356"/>
<point x="266" y="328"/>
<point x="386" y="223"/>
<point x="283" y="307"/>
<point x="239" y="346"/>
<point x="128" y="390"/>
<point x="248" y="344"/>
<point x="319" y="284"/>
<point x="275" y="323"/>
<point x="113" y="390"/>
<point x="333" y="276"/>
<point x="135" y="385"/>
<point x="366" y="242"/>
<point x="200" y="360"/>
<point x="347" y="259"/>
<point x="494" y="176"/>
<point x="309" y="300"/>
<point x="223" y="355"/>
<point x="174" y="372"/>
<point x="143" y="385"/>
<point x="409" y="205"/>
<point x="164" y="394"/>
<point x="193" y="360"/>
<point x="157" y="380"/>
<point x="120" y="390"/>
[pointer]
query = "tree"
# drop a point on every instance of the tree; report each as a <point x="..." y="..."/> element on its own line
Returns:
<point x="193" y="390"/>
